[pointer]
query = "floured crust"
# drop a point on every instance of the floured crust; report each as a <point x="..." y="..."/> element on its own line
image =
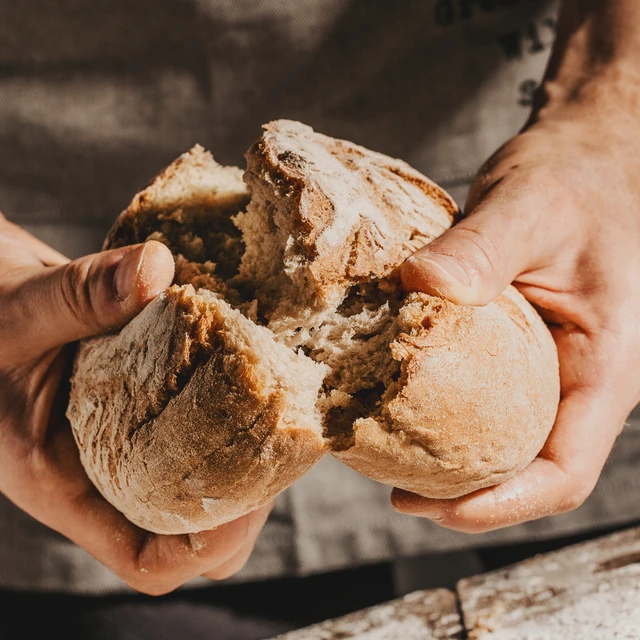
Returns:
<point x="189" y="206"/>
<point x="286" y="335"/>
<point x="193" y="187"/>
<point x="201" y="429"/>
<point x="355" y="213"/>
<point x="346" y="214"/>
<point x="475" y="402"/>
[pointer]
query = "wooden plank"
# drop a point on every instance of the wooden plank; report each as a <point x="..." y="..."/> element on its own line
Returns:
<point x="422" y="615"/>
<point x="590" y="591"/>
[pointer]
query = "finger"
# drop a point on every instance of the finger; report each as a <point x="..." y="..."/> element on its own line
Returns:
<point x="46" y="479"/>
<point x="559" y="480"/>
<point x="476" y="260"/>
<point x="62" y="498"/>
<point x="174" y="560"/>
<point x="152" y="563"/>
<point x="89" y="296"/>
<point x="17" y="244"/>
<point x="235" y="563"/>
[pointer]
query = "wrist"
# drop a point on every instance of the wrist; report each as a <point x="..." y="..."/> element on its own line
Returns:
<point x="595" y="58"/>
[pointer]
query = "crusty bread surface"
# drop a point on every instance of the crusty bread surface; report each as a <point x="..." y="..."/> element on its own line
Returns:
<point x="286" y="335"/>
<point x="473" y="404"/>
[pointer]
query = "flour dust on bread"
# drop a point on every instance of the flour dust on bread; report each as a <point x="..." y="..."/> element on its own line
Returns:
<point x="286" y="335"/>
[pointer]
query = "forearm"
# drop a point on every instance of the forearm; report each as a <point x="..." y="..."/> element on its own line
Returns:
<point x="596" y="40"/>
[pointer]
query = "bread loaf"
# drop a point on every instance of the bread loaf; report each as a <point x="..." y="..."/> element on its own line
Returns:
<point x="286" y="335"/>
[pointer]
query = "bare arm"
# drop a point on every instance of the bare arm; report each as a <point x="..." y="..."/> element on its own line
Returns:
<point x="557" y="212"/>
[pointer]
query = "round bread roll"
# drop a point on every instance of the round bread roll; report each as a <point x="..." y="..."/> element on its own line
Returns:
<point x="286" y="335"/>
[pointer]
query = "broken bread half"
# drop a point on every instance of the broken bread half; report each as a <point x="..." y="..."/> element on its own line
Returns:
<point x="286" y="335"/>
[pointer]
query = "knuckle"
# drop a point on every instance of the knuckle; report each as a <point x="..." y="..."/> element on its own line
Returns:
<point x="15" y="305"/>
<point x="147" y="574"/>
<point x="578" y="491"/>
<point x="73" y="288"/>
<point x="571" y="503"/>
<point x="481" y="256"/>
<point x="154" y="556"/>
<point x="75" y="292"/>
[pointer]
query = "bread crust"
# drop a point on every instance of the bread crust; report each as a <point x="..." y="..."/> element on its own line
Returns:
<point x="475" y="402"/>
<point x="196" y="413"/>
<point x="179" y="424"/>
<point x="349" y="214"/>
<point x="193" y="188"/>
<point x="180" y="431"/>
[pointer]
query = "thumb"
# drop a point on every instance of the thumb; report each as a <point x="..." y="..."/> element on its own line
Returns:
<point x="473" y="262"/>
<point x="89" y="296"/>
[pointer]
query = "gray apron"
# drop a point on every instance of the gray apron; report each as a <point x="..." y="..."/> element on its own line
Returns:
<point x="96" y="97"/>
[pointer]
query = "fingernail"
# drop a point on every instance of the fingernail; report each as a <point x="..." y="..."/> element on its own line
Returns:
<point x="447" y="266"/>
<point x="127" y="271"/>
<point x="418" y="512"/>
<point x="412" y="504"/>
<point x="145" y="271"/>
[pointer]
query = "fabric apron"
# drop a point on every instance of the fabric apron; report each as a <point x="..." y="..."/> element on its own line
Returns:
<point x="96" y="97"/>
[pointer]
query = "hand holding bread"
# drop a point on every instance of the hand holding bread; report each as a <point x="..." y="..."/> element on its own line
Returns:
<point x="286" y="305"/>
<point x="544" y="213"/>
<point x="46" y="301"/>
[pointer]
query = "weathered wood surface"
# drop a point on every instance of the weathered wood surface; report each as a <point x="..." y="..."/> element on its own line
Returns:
<point x="590" y="591"/>
<point x="423" y="615"/>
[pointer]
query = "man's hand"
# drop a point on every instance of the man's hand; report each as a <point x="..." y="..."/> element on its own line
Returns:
<point x="47" y="302"/>
<point x="557" y="211"/>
